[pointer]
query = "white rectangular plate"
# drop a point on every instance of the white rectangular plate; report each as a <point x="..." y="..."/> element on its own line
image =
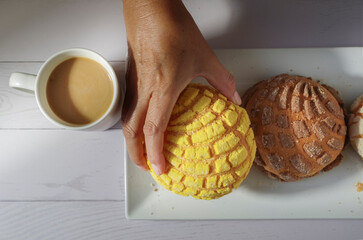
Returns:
<point x="330" y="194"/>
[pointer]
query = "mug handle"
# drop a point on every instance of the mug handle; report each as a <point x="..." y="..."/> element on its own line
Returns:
<point x="23" y="81"/>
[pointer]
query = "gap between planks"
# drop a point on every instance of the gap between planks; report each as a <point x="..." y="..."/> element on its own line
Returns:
<point x="60" y="201"/>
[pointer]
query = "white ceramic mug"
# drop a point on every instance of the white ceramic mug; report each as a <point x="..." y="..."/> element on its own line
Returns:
<point x="37" y="84"/>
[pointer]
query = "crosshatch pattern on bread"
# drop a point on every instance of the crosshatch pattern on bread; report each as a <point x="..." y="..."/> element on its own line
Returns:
<point x="356" y="125"/>
<point x="298" y="124"/>
<point x="209" y="145"/>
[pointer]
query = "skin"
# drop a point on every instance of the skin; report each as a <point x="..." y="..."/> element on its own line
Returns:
<point x="167" y="51"/>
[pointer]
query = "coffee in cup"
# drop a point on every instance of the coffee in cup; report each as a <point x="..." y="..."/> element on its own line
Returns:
<point x="79" y="91"/>
<point x="76" y="89"/>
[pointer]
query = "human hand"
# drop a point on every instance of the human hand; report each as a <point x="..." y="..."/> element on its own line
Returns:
<point x="167" y="51"/>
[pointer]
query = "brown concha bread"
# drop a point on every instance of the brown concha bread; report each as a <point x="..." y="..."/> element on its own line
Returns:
<point x="298" y="124"/>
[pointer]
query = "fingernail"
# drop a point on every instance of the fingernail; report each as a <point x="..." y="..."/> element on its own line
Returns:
<point x="142" y="168"/>
<point x="237" y="99"/>
<point x="156" y="169"/>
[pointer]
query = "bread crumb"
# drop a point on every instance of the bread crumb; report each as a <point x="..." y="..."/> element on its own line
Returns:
<point x="151" y="213"/>
<point x="155" y="189"/>
<point x="351" y="211"/>
<point x="329" y="210"/>
<point x="359" y="186"/>
<point x="152" y="184"/>
<point x="172" y="208"/>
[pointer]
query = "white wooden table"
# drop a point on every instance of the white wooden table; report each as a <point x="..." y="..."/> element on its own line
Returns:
<point x="57" y="184"/>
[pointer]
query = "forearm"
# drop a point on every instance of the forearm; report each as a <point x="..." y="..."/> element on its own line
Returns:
<point x="142" y="10"/>
<point x="158" y="23"/>
<point x="151" y="13"/>
<point x="146" y="5"/>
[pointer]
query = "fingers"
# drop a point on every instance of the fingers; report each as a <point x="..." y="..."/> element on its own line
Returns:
<point x="133" y="118"/>
<point x="221" y="79"/>
<point x="132" y="130"/>
<point x="158" y="114"/>
<point x="145" y="117"/>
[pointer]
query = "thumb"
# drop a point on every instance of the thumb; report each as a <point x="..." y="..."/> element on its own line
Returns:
<point x="221" y="79"/>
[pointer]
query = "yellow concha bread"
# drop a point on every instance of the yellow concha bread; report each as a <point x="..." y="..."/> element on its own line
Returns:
<point x="209" y="145"/>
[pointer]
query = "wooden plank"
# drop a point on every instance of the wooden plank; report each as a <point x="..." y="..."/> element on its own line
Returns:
<point x="61" y="165"/>
<point x="34" y="30"/>
<point x="16" y="106"/>
<point x="19" y="110"/>
<point x="61" y="220"/>
<point x="105" y="220"/>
